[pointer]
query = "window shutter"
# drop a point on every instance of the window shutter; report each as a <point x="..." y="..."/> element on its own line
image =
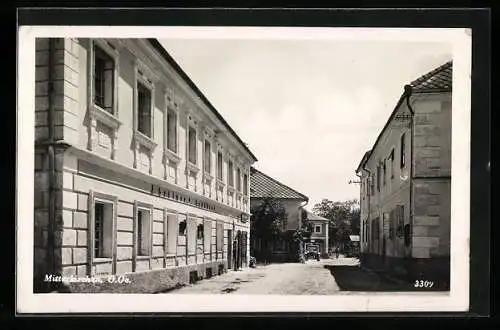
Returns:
<point x="191" y="235"/>
<point x="207" y="235"/>
<point x="172" y="232"/>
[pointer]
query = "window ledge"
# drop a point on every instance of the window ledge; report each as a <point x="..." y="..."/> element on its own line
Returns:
<point x="192" y="167"/>
<point x="102" y="260"/>
<point x="144" y="140"/>
<point x="238" y="194"/>
<point x="104" y="117"/>
<point x="208" y="176"/>
<point x="143" y="257"/>
<point x="220" y="184"/>
<point x="230" y="189"/>
<point x="170" y="155"/>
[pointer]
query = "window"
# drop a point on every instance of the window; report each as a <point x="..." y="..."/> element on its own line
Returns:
<point x="230" y="174"/>
<point x="182" y="228"/>
<point x="207" y="243"/>
<point x="207" y="164"/>
<point x="403" y="151"/>
<point x="407" y="234"/>
<point x="238" y="180"/>
<point x="385" y="171"/>
<point x="372" y="184"/>
<point x="200" y="231"/>
<point x="220" y="236"/>
<point x="144" y="110"/>
<point x="143" y="232"/>
<point x="391" y="157"/>
<point x="103" y="230"/>
<point x="172" y="130"/>
<point x="192" y="145"/>
<point x="104" y="68"/>
<point x="219" y="165"/>
<point x="245" y="184"/>
<point x="317" y="229"/>
<point x="378" y="177"/>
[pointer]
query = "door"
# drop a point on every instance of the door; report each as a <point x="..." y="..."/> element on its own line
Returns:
<point x="229" y="249"/>
<point x="244" y="249"/>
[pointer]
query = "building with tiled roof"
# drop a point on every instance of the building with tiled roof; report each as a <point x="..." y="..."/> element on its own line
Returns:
<point x="282" y="248"/>
<point x="319" y="235"/>
<point x="262" y="185"/>
<point x="405" y="182"/>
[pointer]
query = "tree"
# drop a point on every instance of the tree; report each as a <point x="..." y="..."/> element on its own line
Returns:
<point x="267" y="220"/>
<point x="344" y="218"/>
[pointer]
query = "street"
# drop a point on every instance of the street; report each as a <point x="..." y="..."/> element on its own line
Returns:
<point x="312" y="278"/>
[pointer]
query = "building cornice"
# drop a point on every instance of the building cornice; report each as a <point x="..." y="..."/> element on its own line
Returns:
<point x="127" y="171"/>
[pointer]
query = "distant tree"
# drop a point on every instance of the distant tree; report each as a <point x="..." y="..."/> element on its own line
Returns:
<point x="344" y="218"/>
<point x="267" y="220"/>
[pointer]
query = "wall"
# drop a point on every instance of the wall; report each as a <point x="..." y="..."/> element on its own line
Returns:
<point x="76" y="177"/>
<point x="124" y="136"/>
<point x="432" y="188"/>
<point x="395" y="191"/>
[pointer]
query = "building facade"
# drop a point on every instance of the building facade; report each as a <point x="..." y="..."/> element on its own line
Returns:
<point x="405" y="184"/>
<point x="283" y="248"/>
<point x="319" y="234"/>
<point x="136" y="173"/>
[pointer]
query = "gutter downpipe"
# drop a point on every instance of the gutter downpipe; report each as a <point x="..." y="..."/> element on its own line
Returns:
<point x="52" y="160"/>
<point x="408" y="92"/>
<point x="370" y="179"/>
<point x="361" y="220"/>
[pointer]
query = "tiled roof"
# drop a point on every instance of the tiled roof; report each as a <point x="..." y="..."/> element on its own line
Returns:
<point x="314" y="217"/>
<point x="262" y="185"/>
<point x="439" y="79"/>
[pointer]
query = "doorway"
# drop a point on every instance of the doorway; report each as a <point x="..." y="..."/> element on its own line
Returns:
<point x="229" y="249"/>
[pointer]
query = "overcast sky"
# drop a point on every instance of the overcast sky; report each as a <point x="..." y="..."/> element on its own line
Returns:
<point x="308" y="109"/>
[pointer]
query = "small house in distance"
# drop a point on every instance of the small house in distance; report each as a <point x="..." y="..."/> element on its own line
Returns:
<point x="319" y="234"/>
<point x="282" y="248"/>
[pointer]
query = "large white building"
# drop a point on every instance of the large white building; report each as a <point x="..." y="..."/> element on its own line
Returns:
<point x="136" y="173"/>
<point x="405" y="186"/>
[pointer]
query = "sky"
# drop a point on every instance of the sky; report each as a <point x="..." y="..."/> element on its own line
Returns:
<point x="307" y="109"/>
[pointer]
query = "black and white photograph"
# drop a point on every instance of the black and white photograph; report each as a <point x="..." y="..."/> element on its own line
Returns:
<point x="231" y="168"/>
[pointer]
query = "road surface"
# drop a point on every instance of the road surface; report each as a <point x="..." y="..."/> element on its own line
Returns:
<point x="310" y="278"/>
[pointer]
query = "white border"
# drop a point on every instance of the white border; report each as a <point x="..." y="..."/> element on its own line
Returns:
<point x="456" y="300"/>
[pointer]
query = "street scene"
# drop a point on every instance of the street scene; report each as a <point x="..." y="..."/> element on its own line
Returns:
<point x="232" y="173"/>
<point x="324" y="277"/>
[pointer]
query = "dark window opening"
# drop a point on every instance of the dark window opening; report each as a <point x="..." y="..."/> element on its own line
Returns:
<point x="200" y="231"/>
<point x="144" y="110"/>
<point x="104" y="67"/>
<point x="192" y="145"/>
<point x="172" y="130"/>
<point x="403" y="151"/>
<point x="182" y="228"/>
<point x="230" y="174"/>
<point x="219" y="165"/>
<point x="208" y="157"/>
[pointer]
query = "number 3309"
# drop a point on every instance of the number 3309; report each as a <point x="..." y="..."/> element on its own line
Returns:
<point x="423" y="284"/>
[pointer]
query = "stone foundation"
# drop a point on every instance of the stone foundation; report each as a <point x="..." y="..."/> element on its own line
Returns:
<point x="152" y="281"/>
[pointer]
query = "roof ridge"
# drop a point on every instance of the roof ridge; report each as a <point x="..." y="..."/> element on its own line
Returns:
<point x="278" y="182"/>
